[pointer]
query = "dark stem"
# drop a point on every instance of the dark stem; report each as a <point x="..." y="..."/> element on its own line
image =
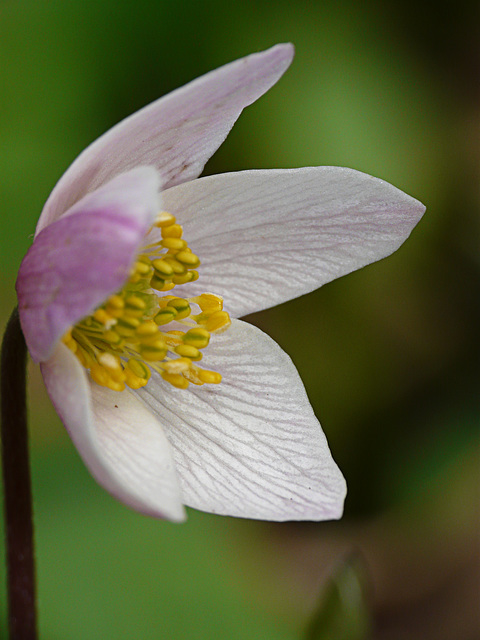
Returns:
<point x="16" y="481"/>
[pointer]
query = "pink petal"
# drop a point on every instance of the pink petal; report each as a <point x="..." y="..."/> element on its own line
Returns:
<point x="120" y="441"/>
<point x="265" y="237"/>
<point x="250" y="446"/>
<point x="177" y="134"/>
<point x="78" y="261"/>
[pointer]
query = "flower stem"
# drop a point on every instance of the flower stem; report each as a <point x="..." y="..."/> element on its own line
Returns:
<point x="16" y="480"/>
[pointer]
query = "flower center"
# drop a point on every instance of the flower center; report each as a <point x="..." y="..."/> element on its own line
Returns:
<point x="137" y="330"/>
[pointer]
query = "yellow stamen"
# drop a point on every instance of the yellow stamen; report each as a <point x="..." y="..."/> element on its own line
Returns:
<point x="135" y="307"/>
<point x="210" y="377"/>
<point x="162" y="268"/>
<point x="157" y="283"/>
<point x="103" y="317"/>
<point x="126" y="326"/>
<point x="177" y="267"/>
<point x="183" y="279"/>
<point x="197" y="337"/>
<point x="181" y="306"/>
<point x="218" y="321"/>
<point x="209" y="302"/>
<point x="173" y="243"/>
<point x="139" y="368"/>
<point x="188" y="258"/>
<point x="133" y="381"/>
<point x="164" y="219"/>
<point x="114" y="306"/>
<point x="176" y="379"/>
<point x="113" y="337"/>
<point x="154" y="352"/>
<point x="180" y="365"/>
<point x="187" y="351"/>
<point x="165" y="316"/>
<point x="147" y="331"/>
<point x="172" y="231"/>
<point x="124" y="340"/>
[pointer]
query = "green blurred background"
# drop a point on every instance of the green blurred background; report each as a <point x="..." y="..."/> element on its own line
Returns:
<point x="391" y="360"/>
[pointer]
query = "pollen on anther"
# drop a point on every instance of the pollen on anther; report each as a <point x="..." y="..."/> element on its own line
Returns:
<point x="127" y="337"/>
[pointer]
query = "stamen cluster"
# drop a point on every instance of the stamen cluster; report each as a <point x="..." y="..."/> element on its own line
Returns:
<point x="125" y="338"/>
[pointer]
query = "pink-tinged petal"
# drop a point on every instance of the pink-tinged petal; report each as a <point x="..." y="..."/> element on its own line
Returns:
<point x="177" y="134"/>
<point x="265" y="237"/>
<point x="119" y="440"/>
<point x="250" y="446"/>
<point x="77" y="262"/>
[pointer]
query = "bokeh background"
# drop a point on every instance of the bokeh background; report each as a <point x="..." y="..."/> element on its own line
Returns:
<point x="389" y="355"/>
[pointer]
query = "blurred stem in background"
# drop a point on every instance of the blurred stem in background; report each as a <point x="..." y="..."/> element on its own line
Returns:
<point x="17" y="485"/>
<point x="343" y="612"/>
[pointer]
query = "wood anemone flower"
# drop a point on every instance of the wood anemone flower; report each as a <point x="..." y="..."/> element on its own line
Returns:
<point x="130" y="293"/>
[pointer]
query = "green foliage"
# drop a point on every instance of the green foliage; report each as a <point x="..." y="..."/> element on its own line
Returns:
<point x="343" y="612"/>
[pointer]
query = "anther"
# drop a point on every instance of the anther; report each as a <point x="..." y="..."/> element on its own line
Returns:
<point x="209" y="377"/>
<point x="114" y="306"/>
<point x="218" y="321"/>
<point x="135" y="306"/>
<point x="188" y="258"/>
<point x="175" y="379"/>
<point x="162" y="268"/>
<point x="126" y="325"/>
<point x="153" y="352"/>
<point x="138" y="368"/>
<point x="188" y="351"/>
<point x="112" y="337"/>
<point x="146" y="330"/>
<point x="173" y="338"/>
<point x="123" y="339"/>
<point x="157" y="283"/>
<point x="103" y="317"/>
<point x="172" y="231"/>
<point x="112" y="366"/>
<point x="178" y="267"/>
<point x="164" y="219"/>
<point x="164" y="316"/>
<point x="197" y="337"/>
<point x="173" y="243"/>
<point x="109" y="361"/>
<point x="181" y="306"/>
<point x="179" y="365"/>
<point x="100" y="375"/>
<point x="133" y="381"/>
<point x="142" y="268"/>
<point x="209" y="302"/>
<point x="183" y="279"/>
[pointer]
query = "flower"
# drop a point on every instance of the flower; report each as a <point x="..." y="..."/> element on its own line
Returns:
<point x="117" y="345"/>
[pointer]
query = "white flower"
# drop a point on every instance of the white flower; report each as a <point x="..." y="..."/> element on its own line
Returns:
<point x="249" y="445"/>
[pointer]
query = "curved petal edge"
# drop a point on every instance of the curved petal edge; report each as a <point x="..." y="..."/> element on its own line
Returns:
<point x="119" y="440"/>
<point x="251" y="446"/>
<point x="177" y="133"/>
<point x="265" y="237"/>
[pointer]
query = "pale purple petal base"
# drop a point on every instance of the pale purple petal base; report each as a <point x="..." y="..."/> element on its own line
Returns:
<point x="76" y="262"/>
<point x="251" y="446"/>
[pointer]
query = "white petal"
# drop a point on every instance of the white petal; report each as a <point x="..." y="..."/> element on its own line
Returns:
<point x="120" y="441"/>
<point x="250" y="446"/>
<point x="176" y="134"/>
<point x="265" y="237"/>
